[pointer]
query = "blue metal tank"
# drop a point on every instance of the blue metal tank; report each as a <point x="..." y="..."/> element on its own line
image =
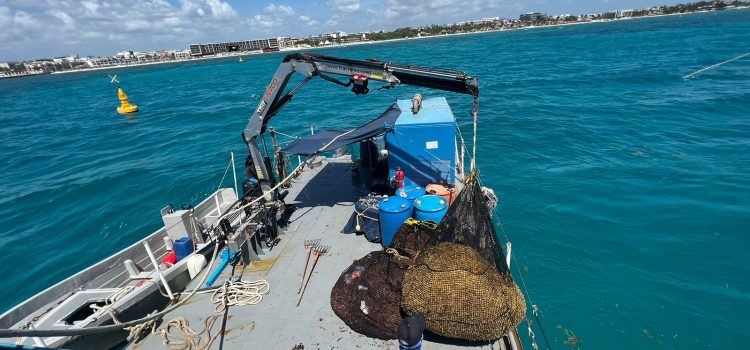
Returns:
<point x="411" y="192"/>
<point x="394" y="211"/>
<point x="423" y="144"/>
<point x="430" y="208"/>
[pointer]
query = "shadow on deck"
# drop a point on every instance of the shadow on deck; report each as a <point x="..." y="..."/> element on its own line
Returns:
<point x="331" y="186"/>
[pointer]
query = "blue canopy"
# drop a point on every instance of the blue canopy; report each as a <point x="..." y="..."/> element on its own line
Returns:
<point x="327" y="140"/>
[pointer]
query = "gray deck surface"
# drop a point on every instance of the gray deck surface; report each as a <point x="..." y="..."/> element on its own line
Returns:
<point x="324" y="197"/>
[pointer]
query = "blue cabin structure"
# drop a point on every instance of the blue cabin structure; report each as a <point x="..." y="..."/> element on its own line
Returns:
<point x="423" y="144"/>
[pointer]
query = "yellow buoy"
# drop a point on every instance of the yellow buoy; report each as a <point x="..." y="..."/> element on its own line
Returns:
<point x="125" y="106"/>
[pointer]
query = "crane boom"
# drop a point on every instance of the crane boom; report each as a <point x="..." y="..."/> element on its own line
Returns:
<point x="360" y="72"/>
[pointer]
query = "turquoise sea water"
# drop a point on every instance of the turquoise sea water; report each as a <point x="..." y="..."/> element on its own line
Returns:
<point x="624" y="188"/>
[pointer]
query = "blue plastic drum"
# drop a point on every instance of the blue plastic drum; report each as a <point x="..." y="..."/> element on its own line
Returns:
<point x="394" y="211"/>
<point x="430" y="208"/>
<point x="411" y="192"/>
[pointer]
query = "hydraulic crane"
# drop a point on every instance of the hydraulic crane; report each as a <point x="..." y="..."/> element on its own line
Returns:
<point x="360" y="72"/>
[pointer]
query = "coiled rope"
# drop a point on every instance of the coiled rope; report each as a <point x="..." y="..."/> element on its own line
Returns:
<point x="240" y="293"/>
<point x="361" y="215"/>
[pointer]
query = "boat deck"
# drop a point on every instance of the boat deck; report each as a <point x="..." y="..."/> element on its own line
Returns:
<point x="324" y="197"/>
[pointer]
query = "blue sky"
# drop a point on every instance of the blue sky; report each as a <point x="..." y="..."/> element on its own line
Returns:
<point x="46" y="28"/>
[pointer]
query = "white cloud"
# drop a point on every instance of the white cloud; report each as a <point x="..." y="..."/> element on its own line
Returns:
<point x="307" y="20"/>
<point x="46" y="28"/>
<point x="221" y="10"/>
<point x="5" y="17"/>
<point x="68" y="22"/>
<point x="23" y="19"/>
<point x="91" y="10"/>
<point x="273" y="17"/>
<point x="279" y="10"/>
<point x="420" y="12"/>
<point x="173" y="21"/>
<point x="135" y="25"/>
<point x="265" y="21"/>
<point x="346" y="6"/>
<point x="81" y="26"/>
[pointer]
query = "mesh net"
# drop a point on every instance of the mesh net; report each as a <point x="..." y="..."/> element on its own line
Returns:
<point x="460" y="282"/>
<point x="376" y="280"/>
<point x="461" y="295"/>
<point x="469" y="222"/>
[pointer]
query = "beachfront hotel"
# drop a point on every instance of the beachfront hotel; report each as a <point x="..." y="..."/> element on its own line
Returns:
<point x="266" y="45"/>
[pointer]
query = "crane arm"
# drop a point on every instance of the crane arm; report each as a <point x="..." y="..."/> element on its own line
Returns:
<point x="359" y="72"/>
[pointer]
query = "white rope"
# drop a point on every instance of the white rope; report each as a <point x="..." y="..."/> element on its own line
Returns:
<point x="372" y="203"/>
<point x="362" y="215"/>
<point x="240" y="293"/>
<point x="138" y="322"/>
<point x="187" y="338"/>
<point x="715" y="65"/>
<point x="111" y="299"/>
<point x="106" y="309"/>
<point x="287" y="135"/>
<point x="137" y="330"/>
<point x="463" y="150"/>
<point x="474" y="151"/>
<point x="118" y="294"/>
<point x="230" y="294"/>
<point x="532" y="335"/>
<point x="496" y="219"/>
<point x="334" y="140"/>
<point x="225" y="175"/>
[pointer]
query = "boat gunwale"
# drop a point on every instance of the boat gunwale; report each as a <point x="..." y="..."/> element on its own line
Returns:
<point x="78" y="281"/>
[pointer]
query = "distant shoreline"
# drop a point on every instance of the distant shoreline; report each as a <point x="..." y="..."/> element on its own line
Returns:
<point x="297" y="49"/>
<point x="505" y="30"/>
<point x="245" y="53"/>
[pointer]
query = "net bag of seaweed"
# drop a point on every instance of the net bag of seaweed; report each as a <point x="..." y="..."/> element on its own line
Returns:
<point x="460" y="282"/>
<point x="367" y="296"/>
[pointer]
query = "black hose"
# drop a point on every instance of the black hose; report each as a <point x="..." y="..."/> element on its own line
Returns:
<point x="226" y="313"/>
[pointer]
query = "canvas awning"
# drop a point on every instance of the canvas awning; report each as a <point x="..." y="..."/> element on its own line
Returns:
<point x="327" y="140"/>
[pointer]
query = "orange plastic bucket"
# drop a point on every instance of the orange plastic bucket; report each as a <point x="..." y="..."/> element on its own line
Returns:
<point x="448" y="193"/>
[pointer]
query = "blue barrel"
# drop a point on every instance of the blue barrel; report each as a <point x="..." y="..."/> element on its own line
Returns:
<point x="394" y="210"/>
<point x="411" y="192"/>
<point x="430" y="208"/>
<point x="182" y="248"/>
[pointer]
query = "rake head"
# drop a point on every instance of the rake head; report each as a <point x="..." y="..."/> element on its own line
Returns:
<point x="320" y="250"/>
<point x="311" y="243"/>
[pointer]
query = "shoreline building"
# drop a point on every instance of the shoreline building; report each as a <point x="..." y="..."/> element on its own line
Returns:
<point x="624" y="13"/>
<point x="532" y="17"/>
<point x="265" y="45"/>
